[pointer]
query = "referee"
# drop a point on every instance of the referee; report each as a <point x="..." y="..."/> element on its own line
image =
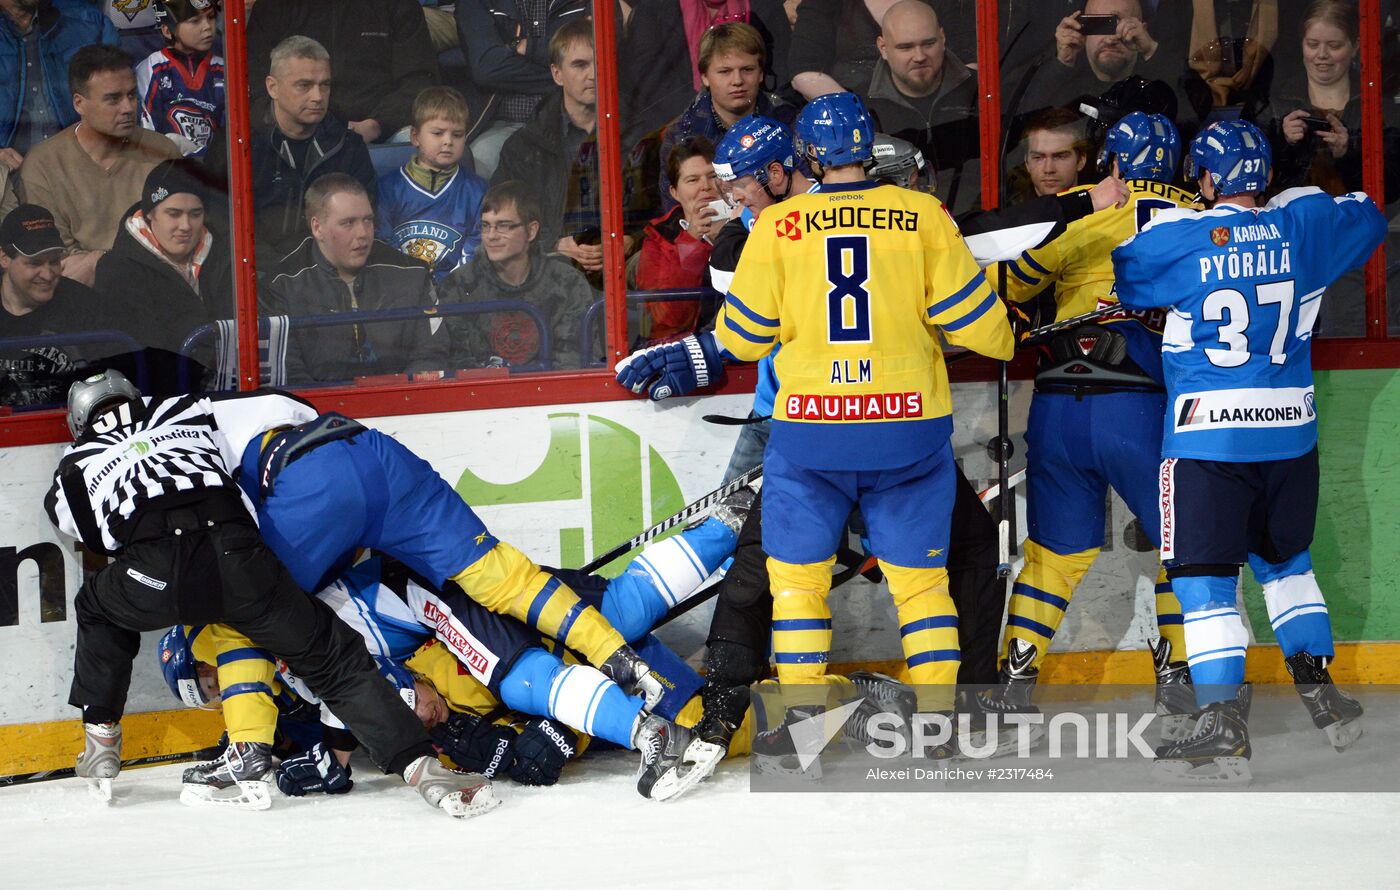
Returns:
<point x="146" y="481"/>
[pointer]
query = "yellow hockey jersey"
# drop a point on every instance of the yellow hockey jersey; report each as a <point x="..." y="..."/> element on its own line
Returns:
<point x="852" y="280"/>
<point x="1080" y="263"/>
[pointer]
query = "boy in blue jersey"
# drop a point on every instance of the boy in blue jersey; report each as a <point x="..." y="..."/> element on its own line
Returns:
<point x="1239" y="474"/>
<point x="181" y="87"/>
<point x="430" y="209"/>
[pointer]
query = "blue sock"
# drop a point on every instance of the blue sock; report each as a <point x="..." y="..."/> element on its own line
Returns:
<point x="1216" y="638"/>
<point x="664" y="575"/>
<point x="577" y="695"/>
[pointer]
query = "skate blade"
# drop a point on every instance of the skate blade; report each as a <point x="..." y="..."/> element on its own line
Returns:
<point x="1221" y="772"/>
<point x="100" y="789"/>
<point x="1343" y="735"/>
<point x="468" y="802"/>
<point x="696" y="765"/>
<point x="1176" y="727"/>
<point x="249" y="794"/>
<point x="787" y="766"/>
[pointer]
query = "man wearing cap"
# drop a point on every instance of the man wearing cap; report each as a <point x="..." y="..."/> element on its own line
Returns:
<point x="90" y="173"/>
<point x="166" y="271"/>
<point x="35" y="301"/>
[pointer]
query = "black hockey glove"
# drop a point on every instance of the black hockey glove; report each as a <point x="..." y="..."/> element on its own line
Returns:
<point x="476" y="744"/>
<point x="541" y="751"/>
<point x="313" y="772"/>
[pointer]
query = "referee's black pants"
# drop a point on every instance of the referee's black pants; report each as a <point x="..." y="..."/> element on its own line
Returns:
<point x="203" y="562"/>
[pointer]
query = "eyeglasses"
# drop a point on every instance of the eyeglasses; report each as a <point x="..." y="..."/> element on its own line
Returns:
<point x="505" y="228"/>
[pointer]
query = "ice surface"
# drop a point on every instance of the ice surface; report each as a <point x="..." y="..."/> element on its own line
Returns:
<point x="592" y="830"/>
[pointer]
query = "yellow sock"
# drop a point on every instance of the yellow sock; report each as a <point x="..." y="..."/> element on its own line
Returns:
<point x="506" y="581"/>
<point x="802" y="628"/>
<point x="1169" y="621"/>
<point x="928" y="632"/>
<point x="247" y="677"/>
<point x="1041" y="595"/>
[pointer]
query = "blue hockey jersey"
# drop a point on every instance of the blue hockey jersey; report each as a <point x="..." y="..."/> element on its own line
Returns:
<point x="1244" y="288"/>
<point x="178" y="97"/>
<point x="442" y="230"/>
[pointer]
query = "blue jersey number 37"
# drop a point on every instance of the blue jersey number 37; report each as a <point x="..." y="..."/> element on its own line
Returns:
<point x="848" y="301"/>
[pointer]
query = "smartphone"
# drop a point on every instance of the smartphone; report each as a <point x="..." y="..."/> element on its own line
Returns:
<point x="1317" y="123"/>
<point x="719" y="208"/>
<point x="1101" y="25"/>
<point x="588" y="236"/>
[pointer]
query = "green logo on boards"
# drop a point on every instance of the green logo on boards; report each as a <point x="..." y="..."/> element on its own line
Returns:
<point x="594" y="467"/>
<point x="140" y="448"/>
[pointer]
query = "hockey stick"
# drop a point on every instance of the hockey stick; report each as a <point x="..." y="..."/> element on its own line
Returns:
<point x="69" y="772"/>
<point x="670" y="522"/>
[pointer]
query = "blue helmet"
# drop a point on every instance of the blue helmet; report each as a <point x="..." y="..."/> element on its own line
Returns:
<point x="177" y="663"/>
<point x="835" y="130"/>
<point x="1146" y="145"/>
<point x="1235" y="154"/>
<point x="750" y="146"/>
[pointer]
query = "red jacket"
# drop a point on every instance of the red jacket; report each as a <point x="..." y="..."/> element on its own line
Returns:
<point x="672" y="259"/>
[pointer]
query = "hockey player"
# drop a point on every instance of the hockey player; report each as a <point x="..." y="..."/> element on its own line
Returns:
<point x="1239" y="474"/>
<point x="1095" y="420"/>
<point x="147" y="481"/>
<point x="325" y="486"/>
<point x="430" y="208"/>
<point x="181" y="87"/>
<point x="396" y="614"/>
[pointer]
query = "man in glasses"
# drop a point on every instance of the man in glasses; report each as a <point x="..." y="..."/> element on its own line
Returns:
<point x="511" y="265"/>
<point x="342" y="268"/>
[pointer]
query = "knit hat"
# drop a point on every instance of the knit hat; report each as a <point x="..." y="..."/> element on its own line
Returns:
<point x="172" y="177"/>
<point x="171" y="13"/>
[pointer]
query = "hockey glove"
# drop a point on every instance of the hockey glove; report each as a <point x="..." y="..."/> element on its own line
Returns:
<point x="541" y="752"/>
<point x="475" y="744"/>
<point x="313" y="772"/>
<point x="673" y="369"/>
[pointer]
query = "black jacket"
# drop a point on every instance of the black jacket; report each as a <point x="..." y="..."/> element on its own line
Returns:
<point x="381" y="55"/>
<point x="654" y="66"/>
<point x="159" y="307"/>
<point x="279" y="188"/>
<point x="308" y="285"/>
<point x="487" y="30"/>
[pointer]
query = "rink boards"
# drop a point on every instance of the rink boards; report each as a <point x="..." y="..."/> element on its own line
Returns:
<point x="566" y="482"/>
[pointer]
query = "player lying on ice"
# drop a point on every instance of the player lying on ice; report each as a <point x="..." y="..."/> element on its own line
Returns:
<point x="148" y="482"/>
<point x="492" y="663"/>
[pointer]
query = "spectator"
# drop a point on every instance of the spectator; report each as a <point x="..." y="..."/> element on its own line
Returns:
<point x="342" y="268"/>
<point x="1232" y="65"/>
<point x="659" y="63"/>
<point x="301" y="143"/>
<point x="1089" y="64"/>
<point x="429" y="209"/>
<point x="182" y="86"/>
<point x="731" y="71"/>
<point x="556" y="153"/>
<point x="166" y="272"/>
<point x="509" y="50"/>
<point x="676" y="247"/>
<point x="1328" y="157"/>
<point x="384" y="55"/>
<point x="921" y="92"/>
<point x="833" y="46"/>
<point x="90" y="173"/>
<point x="37" y="40"/>
<point x="1055" y="151"/>
<point x="36" y="300"/>
<point x="511" y="266"/>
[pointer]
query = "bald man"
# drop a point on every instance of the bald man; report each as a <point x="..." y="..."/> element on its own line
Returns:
<point x="920" y="91"/>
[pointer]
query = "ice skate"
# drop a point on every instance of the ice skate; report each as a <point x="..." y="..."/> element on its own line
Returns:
<point x="881" y="695"/>
<point x="775" y="752"/>
<point x="665" y="771"/>
<point x="1217" y="752"/>
<point x="724" y="711"/>
<point x="458" y="794"/>
<point x="101" y="759"/>
<point x="1176" y="700"/>
<point x="240" y="778"/>
<point x="734" y="508"/>
<point x="627" y="669"/>
<point x="1331" y="709"/>
<point x="1012" y="695"/>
